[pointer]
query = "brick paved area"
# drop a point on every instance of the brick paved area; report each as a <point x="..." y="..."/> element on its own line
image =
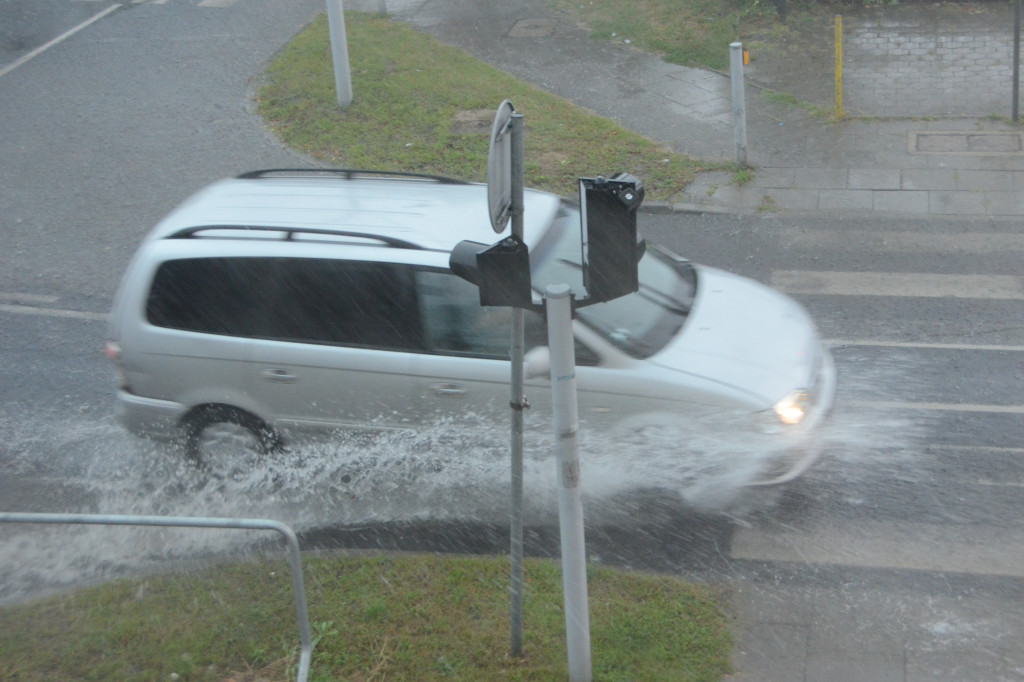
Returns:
<point x="913" y="59"/>
<point x="944" y="62"/>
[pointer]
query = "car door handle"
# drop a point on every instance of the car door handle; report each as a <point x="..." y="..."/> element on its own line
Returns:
<point x="279" y="376"/>
<point x="448" y="390"/>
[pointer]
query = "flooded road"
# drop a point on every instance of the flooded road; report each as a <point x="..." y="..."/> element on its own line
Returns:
<point x="897" y="557"/>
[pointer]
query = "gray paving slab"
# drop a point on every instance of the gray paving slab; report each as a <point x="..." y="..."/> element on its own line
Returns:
<point x="902" y="201"/>
<point x="874" y="178"/>
<point x="846" y="199"/>
<point x="820" y="178"/>
<point x="928" y="179"/>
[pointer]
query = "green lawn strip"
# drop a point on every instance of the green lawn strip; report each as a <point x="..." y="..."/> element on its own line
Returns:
<point x="409" y="91"/>
<point x="374" y="618"/>
<point x="688" y="32"/>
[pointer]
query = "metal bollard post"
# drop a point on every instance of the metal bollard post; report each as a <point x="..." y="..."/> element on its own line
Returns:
<point x="339" y="52"/>
<point x="839" y="67"/>
<point x="739" y="106"/>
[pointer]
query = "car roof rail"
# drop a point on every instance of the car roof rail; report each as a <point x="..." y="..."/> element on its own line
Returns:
<point x="291" y="232"/>
<point x="348" y="174"/>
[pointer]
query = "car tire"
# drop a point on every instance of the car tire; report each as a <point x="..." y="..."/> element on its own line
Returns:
<point x="220" y="436"/>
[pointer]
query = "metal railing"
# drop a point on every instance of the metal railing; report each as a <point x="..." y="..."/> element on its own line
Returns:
<point x="306" y="655"/>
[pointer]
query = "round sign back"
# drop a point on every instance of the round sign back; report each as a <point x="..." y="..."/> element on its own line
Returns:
<point x="499" y="168"/>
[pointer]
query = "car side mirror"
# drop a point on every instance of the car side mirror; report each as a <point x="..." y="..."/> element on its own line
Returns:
<point x="537" y="363"/>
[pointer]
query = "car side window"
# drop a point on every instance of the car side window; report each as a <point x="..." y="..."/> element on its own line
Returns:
<point x="343" y="302"/>
<point x="305" y="300"/>
<point x="209" y="295"/>
<point x="455" y="323"/>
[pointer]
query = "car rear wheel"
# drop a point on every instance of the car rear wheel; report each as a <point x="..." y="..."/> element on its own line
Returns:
<point x="227" y="440"/>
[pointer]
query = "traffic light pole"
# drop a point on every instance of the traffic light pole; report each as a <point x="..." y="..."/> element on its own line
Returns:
<point x="609" y="254"/>
<point x="518" y="404"/>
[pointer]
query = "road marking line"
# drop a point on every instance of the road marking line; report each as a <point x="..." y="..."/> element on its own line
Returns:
<point x="973" y="549"/>
<point x="941" y="407"/>
<point x="914" y="285"/>
<point x="26" y="298"/>
<point x="51" y="312"/>
<point x="63" y="36"/>
<point x="991" y="449"/>
<point x="978" y="243"/>
<point x="928" y="346"/>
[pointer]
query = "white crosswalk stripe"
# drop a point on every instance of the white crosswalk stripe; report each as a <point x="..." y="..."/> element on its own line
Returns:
<point x="896" y="542"/>
<point x="203" y="3"/>
<point x="915" y="285"/>
<point x="887" y="241"/>
<point x="884" y="544"/>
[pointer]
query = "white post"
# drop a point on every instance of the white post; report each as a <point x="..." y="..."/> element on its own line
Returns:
<point x="339" y="51"/>
<point x="567" y="456"/>
<point x="739" y="106"/>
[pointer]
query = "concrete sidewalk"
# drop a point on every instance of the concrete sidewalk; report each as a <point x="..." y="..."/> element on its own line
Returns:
<point x="941" y="163"/>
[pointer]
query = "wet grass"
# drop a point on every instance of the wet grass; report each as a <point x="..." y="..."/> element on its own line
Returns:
<point x="688" y="32"/>
<point x="410" y="96"/>
<point x="376" y="618"/>
<point x="792" y="101"/>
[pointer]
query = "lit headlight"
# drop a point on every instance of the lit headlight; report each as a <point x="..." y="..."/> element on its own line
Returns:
<point x="793" y="407"/>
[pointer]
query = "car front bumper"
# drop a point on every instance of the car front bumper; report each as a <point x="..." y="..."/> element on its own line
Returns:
<point x="792" y="460"/>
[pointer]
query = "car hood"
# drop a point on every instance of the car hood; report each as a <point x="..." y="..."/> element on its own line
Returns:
<point x="746" y="336"/>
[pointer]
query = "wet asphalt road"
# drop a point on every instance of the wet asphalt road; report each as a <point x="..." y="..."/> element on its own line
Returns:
<point x="103" y="133"/>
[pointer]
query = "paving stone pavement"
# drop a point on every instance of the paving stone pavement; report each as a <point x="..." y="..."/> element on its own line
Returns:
<point x="910" y="63"/>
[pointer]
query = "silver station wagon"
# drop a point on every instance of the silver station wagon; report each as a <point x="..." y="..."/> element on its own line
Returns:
<point x="285" y="302"/>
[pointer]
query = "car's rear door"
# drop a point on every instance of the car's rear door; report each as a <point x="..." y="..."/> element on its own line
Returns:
<point x="337" y="348"/>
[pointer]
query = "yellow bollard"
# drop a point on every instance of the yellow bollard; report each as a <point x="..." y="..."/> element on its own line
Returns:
<point x="839" y="67"/>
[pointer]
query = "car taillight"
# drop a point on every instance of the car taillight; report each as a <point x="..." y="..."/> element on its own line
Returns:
<point x="113" y="351"/>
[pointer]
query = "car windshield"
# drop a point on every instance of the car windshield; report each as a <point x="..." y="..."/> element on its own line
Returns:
<point x="641" y="323"/>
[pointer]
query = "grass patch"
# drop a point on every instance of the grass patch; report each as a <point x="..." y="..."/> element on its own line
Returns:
<point x="409" y="94"/>
<point x="792" y="101"/>
<point x="394" y="618"/>
<point x="692" y="33"/>
<point x="742" y="176"/>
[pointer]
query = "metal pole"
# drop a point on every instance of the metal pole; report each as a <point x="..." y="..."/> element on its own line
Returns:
<point x="839" y="67"/>
<point x="739" y="106"/>
<point x="518" y="404"/>
<point x="570" y="504"/>
<point x="1016" y="61"/>
<point x="339" y="52"/>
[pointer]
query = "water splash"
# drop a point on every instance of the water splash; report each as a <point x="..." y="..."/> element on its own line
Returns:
<point x="445" y="472"/>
